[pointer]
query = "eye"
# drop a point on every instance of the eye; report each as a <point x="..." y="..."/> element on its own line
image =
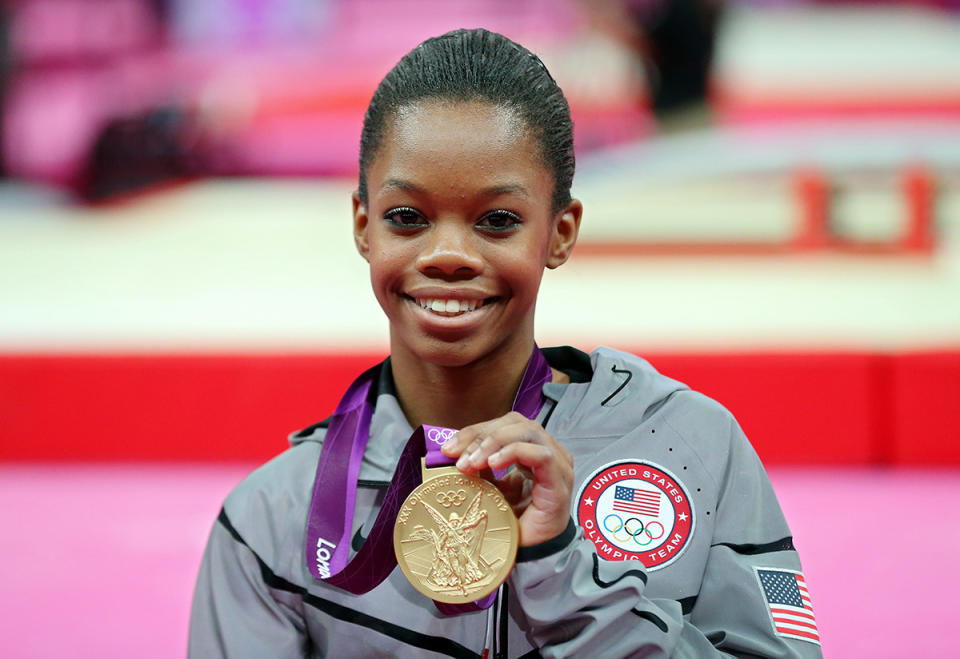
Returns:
<point x="500" y="221"/>
<point x="405" y="217"/>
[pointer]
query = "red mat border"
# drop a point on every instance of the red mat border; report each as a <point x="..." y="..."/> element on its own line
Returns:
<point x="796" y="407"/>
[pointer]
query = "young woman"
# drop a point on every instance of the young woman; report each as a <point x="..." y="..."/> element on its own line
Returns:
<point x="647" y="525"/>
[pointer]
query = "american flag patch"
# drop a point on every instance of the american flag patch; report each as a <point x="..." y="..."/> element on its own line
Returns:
<point x="789" y="603"/>
<point x="636" y="501"/>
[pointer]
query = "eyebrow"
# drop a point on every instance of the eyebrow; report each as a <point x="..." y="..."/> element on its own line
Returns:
<point x="400" y="184"/>
<point x="492" y="191"/>
<point x="510" y="188"/>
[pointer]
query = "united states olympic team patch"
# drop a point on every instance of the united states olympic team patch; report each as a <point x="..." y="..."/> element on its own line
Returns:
<point x="636" y="511"/>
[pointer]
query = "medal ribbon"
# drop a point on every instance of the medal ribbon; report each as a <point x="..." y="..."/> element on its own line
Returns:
<point x="335" y="487"/>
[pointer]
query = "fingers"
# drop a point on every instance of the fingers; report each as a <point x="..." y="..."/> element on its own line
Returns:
<point x="540" y="486"/>
<point x="516" y="487"/>
<point x="544" y="462"/>
<point x="474" y="445"/>
<point x="468" y="439"/>
<point x="540" y="500"/>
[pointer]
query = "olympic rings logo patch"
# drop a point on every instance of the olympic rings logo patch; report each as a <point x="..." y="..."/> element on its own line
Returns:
<point x="636" y="511"/>
<point x="642" y="534"/>
<point x="439" y="435"/>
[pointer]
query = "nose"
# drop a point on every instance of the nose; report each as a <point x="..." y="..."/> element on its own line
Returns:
<point x="450" y="251"/>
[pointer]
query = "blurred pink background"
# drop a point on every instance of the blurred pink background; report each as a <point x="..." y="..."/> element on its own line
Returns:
<point x="772" y="214"/>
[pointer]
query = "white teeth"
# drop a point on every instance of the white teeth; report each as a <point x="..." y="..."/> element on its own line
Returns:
<point x="447" y="306"/>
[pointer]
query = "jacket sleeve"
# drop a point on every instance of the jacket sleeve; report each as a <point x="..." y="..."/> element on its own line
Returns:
<point x="576" y="604"/>
<point x="235" y="612"/>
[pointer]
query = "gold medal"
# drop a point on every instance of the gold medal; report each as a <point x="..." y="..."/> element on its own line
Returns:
<point x="455" y="536"/>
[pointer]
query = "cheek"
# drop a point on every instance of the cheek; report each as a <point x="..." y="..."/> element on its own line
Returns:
<point x="524" y="271"/>
<point x="383" y="273"/>
<point x="391" y="268"/>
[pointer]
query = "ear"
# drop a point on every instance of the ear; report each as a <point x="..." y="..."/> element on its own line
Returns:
<point x="360" y="224"/>
<point x="564" y="236"/>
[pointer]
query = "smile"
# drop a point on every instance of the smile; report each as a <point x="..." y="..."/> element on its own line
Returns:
<point x="448" y="306"/>
<point x="443" y="307"/>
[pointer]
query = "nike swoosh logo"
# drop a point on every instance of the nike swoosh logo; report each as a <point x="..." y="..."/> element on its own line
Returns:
<point x="357" y="540"/>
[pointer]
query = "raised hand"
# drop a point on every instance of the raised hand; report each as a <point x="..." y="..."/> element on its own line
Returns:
<point x="539" y="488"/>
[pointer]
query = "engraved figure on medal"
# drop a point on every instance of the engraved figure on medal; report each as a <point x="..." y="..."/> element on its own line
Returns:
<point x="456" y="541"/>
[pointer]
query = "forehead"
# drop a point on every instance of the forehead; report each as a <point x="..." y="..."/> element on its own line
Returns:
<point x="460" y="144"/>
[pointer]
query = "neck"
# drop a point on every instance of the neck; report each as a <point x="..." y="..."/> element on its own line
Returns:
<point x="458" y="396"/>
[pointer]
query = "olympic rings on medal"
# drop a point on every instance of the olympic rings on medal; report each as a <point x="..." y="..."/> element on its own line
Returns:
<point x="451" y="498"/>
<point x="644" y="529"/>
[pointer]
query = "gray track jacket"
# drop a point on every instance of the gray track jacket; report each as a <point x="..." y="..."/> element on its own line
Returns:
<point x="677" y="546"/>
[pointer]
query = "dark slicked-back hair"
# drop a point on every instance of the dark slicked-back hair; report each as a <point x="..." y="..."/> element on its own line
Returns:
<point x="477" y="65"/>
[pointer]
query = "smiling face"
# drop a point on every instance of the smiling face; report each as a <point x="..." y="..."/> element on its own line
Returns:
<point x="457" y="229"/>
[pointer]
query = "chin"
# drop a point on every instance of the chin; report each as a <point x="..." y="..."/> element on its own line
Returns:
<point x="448" y="353"/>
